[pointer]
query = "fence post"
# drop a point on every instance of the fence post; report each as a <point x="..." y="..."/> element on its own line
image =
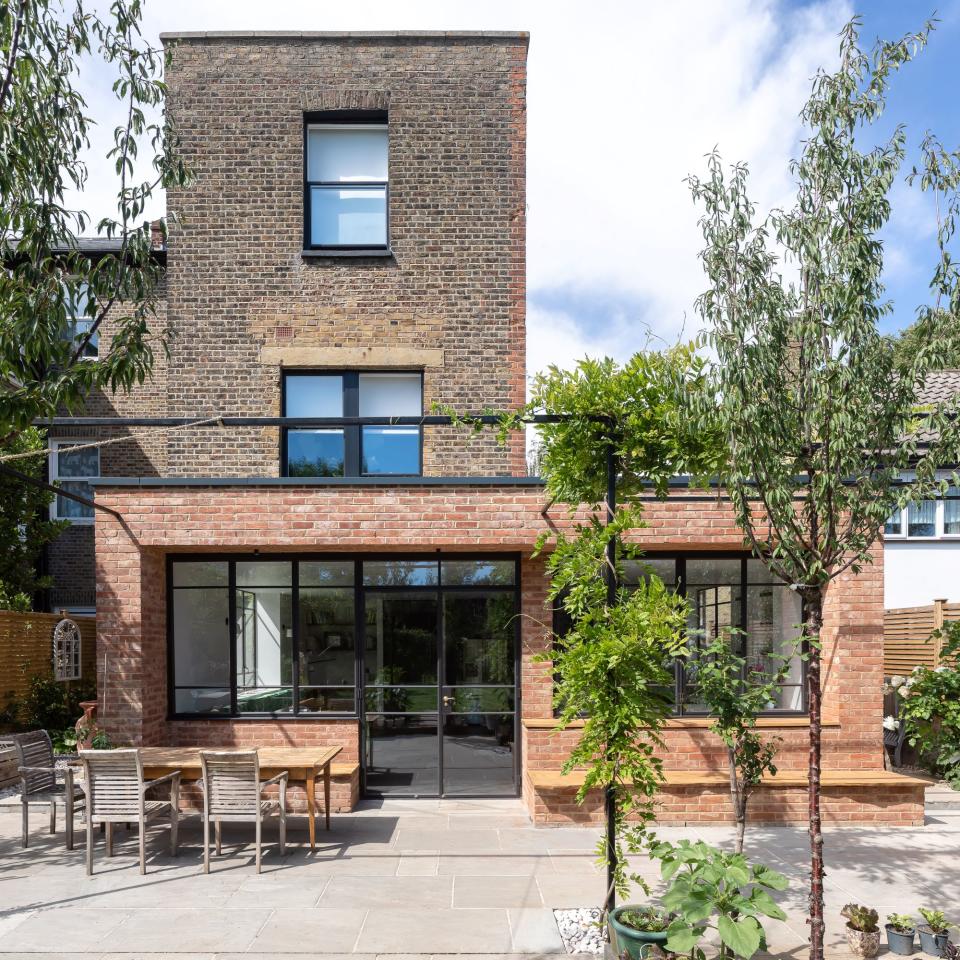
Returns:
<point x="938" y="606"/>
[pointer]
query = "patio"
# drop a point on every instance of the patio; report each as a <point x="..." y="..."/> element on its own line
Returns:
<point x="405" y="877"/>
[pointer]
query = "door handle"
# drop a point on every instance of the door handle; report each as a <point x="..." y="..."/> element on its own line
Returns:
<point x="447" y="701"/>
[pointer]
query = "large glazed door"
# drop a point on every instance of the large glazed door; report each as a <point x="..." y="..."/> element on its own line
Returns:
<point x="401" y="696"/>
<point x="478" y="697"/>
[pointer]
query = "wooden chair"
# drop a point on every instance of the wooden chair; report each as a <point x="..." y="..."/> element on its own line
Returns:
<point x="233" y="793"/>
<point x="117" y="793"/>
<point x="38" y="781"/>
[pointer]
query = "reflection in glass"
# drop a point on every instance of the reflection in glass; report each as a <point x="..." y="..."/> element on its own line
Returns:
<point x="202" y="700"/>
<point x="201" y="649"/>
<point x="393" y="450"/>
<point x="478" y="630"/>
<point x="894" y="525"/>
<point x="313" y="395"/>
<point x="479" y="699"/>
<point x="200" y="573"/>
<point x="354" y="216"/>
<point x="774" y="614"/>
<point x="402" y="699"/>
<point x="478" y="755"/>
<point x="663" y="567"/>
<point x="326" y="637"/>
<point x="402" y="754"/>
<point x="713" y="613"/>
<point x="399" y="573"/>
<point x="315" y="453"/>
<point x="264" y="573"/>
<point x="493" y="573"/>
<point x="326" y="573"/>
<point x="951" y="513"/>
<point x="401" y="638"/>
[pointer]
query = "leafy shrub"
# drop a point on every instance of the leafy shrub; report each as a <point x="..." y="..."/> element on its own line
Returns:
<point x="930" y="708"/>
<point x="52" y="704"/>
<point x="861" y="918"/>
<point x="713" y="889"/>
<point x="936" y="920"/>
<point x="902" y="922"/>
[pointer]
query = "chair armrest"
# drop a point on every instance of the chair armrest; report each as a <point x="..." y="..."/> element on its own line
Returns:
<point x="166" y="778"/>
<point x="273" y="780"/>
<point x="37" y="770"/>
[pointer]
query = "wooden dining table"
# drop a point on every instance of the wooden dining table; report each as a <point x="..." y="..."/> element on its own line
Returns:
<point x="303" y="765"/>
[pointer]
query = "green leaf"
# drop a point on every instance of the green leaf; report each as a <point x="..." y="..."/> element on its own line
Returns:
<point x="765" y="904"/>
<point x="741" y="936"/>
<point x="682" y="937"/>
<point x="770" y="878"/>
<point x="737" y="874"/>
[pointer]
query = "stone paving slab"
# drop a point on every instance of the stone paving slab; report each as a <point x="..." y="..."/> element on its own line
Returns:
<point x="407" y="878"/>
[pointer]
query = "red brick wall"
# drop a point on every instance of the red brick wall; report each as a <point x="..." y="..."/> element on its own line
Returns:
<point x="418" y="518"/>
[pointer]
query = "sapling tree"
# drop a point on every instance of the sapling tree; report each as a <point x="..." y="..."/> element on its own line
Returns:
<point x="819" y="413"/>
<point x="735" y="694"/>
<point x="53" y="299"/>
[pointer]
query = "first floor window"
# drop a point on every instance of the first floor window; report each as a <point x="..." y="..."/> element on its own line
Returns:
<point x="80" y="318"/>
<point x="370" y="450"/>
<point x="733" y="599"/>
<point x="72" y="469"/>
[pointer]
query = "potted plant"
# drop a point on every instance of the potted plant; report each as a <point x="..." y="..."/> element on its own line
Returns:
<point x="934" y="936"/>
<point x="634" y="929"/>
<point x="900" y="931"/>
<point x="863" y="931"/>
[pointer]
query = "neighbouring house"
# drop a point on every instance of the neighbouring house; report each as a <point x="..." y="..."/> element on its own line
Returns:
<point x="353" y="249"/>
<point x="922" y="541"/>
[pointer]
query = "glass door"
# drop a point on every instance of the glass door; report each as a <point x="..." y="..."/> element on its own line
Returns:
<point x="439" y="656"/>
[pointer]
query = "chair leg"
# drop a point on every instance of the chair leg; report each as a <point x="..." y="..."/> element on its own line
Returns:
<point x="258" y="844"/>
<point x="53" y="816"/>
<point x="219" y="835"/>
<point x="174" y="825"/>
<point x="68" y="813"/>
<point x="25" y="817"/>
<point x="109" y="839"/>
<point x="206" y="843"/>
<point x="283" y="832"/>
<point x="143" y="846"/>
<point x="89" y="844"/>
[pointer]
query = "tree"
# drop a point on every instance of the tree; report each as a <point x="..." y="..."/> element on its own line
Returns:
<point x="47" y="284"/>
<point x="818" y="413"/>
<point x="735" y="698"/>
<point x="612" y="432"/>
<point x="24" y="525"/>
<point x="916" y="337"/>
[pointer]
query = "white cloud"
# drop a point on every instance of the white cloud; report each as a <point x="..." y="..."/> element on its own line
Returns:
<point x="624" y="100"/>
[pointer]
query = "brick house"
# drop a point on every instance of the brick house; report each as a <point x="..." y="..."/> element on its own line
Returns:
<point x="336" y="578"/>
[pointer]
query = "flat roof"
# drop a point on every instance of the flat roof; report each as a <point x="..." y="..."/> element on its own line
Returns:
<point x="522" y="36"/>
<point x="384" y="481"/>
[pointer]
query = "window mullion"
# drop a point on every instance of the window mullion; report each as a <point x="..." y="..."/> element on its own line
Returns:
<point x="351" y="435"/>
<point x="232" y="633"/>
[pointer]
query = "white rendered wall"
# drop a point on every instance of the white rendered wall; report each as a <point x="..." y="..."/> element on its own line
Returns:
<point x="917" y="573"/>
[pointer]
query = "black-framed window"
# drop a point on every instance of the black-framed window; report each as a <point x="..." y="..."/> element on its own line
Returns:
<point x="285" y="635"/>
<point x="346" y="183"/>
<point x="730" y="596"/>
<point x="354" y="450"/>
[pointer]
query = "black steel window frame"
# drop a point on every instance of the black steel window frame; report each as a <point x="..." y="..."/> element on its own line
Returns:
<point x="352" y="434"/>
<point x="561" y="621"/>
<point x="359" y="606"/>
<point x="349" y="118"/>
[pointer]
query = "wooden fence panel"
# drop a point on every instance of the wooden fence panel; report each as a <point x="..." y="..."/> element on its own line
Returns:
<point x="907" y="633"/>
<point x="26" y="650"/>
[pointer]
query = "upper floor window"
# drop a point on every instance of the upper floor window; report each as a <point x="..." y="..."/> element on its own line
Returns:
<point x="79" y="321"/>
<point x="73" y="470"/>
<point x="926" y="519"/>
<point x="353" y="450"/>
<point x="346" y="185"/>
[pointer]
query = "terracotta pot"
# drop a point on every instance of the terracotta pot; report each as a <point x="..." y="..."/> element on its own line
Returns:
<point x="87" y="725"/>
<point x="863" y="943"/>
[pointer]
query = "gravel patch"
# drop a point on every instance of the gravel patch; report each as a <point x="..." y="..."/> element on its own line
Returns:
<point x="60" y="762"/>
<point x="580" y="930"/>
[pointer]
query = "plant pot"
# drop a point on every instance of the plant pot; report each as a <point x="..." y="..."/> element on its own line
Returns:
<point x="863" y="943"/>
<point x="932" y="943"/>
<point x="898" y="942"/>
<point x="637" y="943"/>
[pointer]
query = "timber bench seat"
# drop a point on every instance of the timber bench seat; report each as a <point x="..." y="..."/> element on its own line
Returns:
<point x="553" y="779"/>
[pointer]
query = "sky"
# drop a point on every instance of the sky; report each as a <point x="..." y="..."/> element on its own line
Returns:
<point x="624" y="101"/>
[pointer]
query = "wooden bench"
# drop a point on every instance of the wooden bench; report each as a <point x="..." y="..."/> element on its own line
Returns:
<point x="553" y="779"/>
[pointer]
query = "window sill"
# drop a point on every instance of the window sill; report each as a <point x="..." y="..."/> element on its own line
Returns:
<point x="690" y="723"/>
<point x="331" y="253"/>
